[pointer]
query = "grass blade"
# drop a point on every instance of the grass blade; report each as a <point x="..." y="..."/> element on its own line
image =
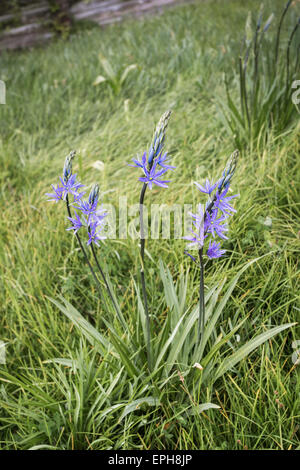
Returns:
<point x="242" y="352"/>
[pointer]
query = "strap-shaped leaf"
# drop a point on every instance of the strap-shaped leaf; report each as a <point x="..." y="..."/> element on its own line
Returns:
<point x="242" y="352"/>
<point x="94" y="337"/>
<point x="209" y="327"/>
<point x="136" y="404"/>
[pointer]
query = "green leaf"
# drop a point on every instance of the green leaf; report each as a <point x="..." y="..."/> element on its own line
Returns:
<point x="43" y="446"/>
<point x="128" y="69"/>
<point x="107" y="67"/>
<point x="209" y="327"/>
<point x="179" y="340"/>
<point x="141" y="312"/>
<point x="102" y="397"/>
<point x="168" y="342"/>
<point x="123" y="352"/>
<point x="99" y="79"/>
<point x="62" y="361"/>
<point x="245" y="350"/>
<point x="207" y="406"/>
<point x="212" y="352"/>
<point x="177" y="343"/>
<point x="248" y="29"/>
<point x="170" y="292"/>
<point x="202" y="407"/>
<point x="94" y="337"/>
<point x="117" y="306"/>
<point x="136" y="404"/>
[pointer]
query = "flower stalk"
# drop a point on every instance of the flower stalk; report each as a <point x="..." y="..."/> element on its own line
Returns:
<point x="90" y="217"/>
<point x="142" y="273"/>
<point x="84" y="253"/>
<point x="210" y="223"/>
<point x="150" y="164"/>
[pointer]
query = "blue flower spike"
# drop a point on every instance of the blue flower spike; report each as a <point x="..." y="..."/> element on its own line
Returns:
<point x="213" y="222"/>
<point x="155" y="157"/>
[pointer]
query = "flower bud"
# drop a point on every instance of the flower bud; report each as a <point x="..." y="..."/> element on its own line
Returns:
<point x="268" y="23"/>
<point x="67" y="171"/>
<point x="229" y="171"/>
<point x="159" y="137"/>
<point x="94" y="194"/>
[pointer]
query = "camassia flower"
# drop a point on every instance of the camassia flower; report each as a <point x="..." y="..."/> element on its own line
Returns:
<point x="154" y="166"/>
<point x="58" y="194"/>
<point x="69" y="186"/>
<point x="152" y="177"/>
<point x="76" y="223"/>
<point x="197" y="237"/>
<point x="87" y="214"/>
<point x="222" y="203"/>
<point x="214" y="251"/>
<point x="213" y="224"/>
<point x="87" y="208"/>
<point x="155" y="157"/>
<point x="158" y="139"/>
<point x="138" y="164"/>
<point x="92" y="216"/>
<point x="94" y="233"/>
<point x="162" y="160"/>
<point x="213" y="221"/>
<point x="208" y="188"/>
<point x="151" y="171"/>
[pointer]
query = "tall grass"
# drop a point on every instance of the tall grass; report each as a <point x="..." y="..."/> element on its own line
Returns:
<point x="56" y="390"/>
<point x="267" y="68"/>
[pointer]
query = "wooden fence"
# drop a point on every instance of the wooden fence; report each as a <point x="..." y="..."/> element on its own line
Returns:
<point x="35" y="19"/>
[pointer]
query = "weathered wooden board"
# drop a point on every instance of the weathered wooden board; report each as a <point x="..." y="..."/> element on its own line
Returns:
<point x="33" y="30"/>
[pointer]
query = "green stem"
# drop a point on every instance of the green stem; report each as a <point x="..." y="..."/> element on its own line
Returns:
<point x="201" y="319"/>
<point x="255" y="76"/>
<point x="84" y="253"/>
<point x="201" y="299"/>
<point x="246" y="97"/>
<point x="107" y="285"/>
<point x="278" y="32"/>
<point x="143" y="276"/>
<point x="288" y="56"/>
<point x="241" y="87"/>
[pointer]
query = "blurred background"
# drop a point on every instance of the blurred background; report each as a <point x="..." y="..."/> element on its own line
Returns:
<point x="96" y="76"/>
<point x="25" y="23"/>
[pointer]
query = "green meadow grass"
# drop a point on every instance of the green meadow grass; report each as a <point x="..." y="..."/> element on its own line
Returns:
<point x="53" y="107"/>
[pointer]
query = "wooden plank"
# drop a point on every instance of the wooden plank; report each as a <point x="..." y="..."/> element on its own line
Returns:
<point x="22" y="30"/>
<point x="31" y="11"/>
<point x="102" y="12"/>
<point x="24" y="41"/>
<point x="133" y="9"/>
<point x="96" y="11"/>
<point x="88" y="11"/>
<point x="81" y="7"/>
